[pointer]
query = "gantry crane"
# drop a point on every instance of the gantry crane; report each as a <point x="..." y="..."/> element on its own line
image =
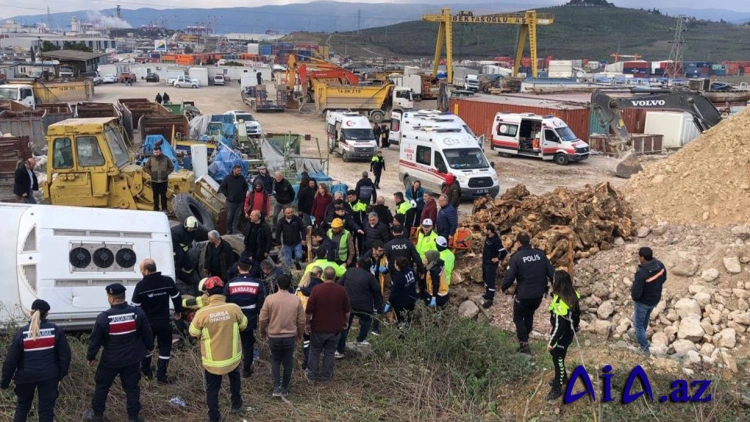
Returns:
<point x="528" y="21"/>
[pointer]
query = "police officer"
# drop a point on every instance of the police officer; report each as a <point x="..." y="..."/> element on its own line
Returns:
<point x="249" y="294"/>
<point x="183" y="236"/>
<point x="492" y="255"/>
<point x="125" y="334"/>
<point x="38" y="359"/>
<point x="531" y="269"/>
<point x="152" y="294"/>
<point x="400" y="246"/>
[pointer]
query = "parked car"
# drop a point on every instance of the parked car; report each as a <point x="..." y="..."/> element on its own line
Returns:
<point x="109" y="79"/>
<point x="152" y="77"/>
<point x="94" y="77"/>
<point x="184" y="83"/>
<point x="124" y="76"/>
<point x="252" y="125"/>
<point x="218" y="79"/>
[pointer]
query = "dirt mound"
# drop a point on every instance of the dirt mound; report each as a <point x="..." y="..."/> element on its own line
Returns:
<point x="705" y="182"/>
<point x="567" y="224"/>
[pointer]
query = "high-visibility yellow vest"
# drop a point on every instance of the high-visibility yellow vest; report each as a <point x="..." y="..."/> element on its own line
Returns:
<point x="449" y="259"/>
<point x="343" y="245"/>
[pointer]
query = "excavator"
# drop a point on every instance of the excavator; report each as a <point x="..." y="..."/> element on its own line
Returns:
<point x="308" y="73"/>
<point x="705" y="115"/>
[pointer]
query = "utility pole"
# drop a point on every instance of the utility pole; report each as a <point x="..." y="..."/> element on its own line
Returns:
<point x="359" y="21"/>
<point x="674" y="67"/>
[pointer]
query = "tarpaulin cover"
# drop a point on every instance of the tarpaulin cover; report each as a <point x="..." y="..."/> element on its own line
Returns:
<point x="166" y="149"/>
<point x="274" y="160"/>
<point x="223" y="162"/>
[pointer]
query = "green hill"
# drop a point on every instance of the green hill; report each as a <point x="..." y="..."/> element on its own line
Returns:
<point x="578" y="32"/>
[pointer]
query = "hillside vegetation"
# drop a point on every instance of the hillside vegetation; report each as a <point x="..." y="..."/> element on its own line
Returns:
<point x="578" y="32"/>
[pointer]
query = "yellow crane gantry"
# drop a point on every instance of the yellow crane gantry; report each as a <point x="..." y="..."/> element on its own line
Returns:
<point x="528" y="21"/>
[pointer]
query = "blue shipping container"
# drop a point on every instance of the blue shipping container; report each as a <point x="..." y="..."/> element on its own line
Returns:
<point x="265" y="50"/>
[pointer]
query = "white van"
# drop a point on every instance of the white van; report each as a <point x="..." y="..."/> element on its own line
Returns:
<point x="350" y="134"/>
<point x="427" y="154"/>
<point x="67" y="255"/>
<point x="411" y="120"/>
<point x="531" y="135"/>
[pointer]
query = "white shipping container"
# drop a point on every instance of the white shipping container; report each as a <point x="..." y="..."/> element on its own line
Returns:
<point x="253" y="48"/>
<point x="677" y="128"/>
<point x="199" y="73"/>
<point x="412" y="70"/>
<point x="565" y="63"/>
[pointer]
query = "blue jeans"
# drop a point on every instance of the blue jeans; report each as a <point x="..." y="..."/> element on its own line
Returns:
<point x="365" y="320"/>
<point x="640" y="323"/>
<point x="288" y="251"/>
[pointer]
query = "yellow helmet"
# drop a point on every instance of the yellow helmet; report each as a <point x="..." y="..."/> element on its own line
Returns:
<point x="202" y="285"/>
<point x="337" y="223"/>
<point x="191" y="223"/>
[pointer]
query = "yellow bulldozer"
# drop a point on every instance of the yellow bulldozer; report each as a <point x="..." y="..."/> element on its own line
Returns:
<point x="90" y="166"/>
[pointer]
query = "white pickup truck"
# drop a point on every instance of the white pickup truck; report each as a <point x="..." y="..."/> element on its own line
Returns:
<point x="67" y="255"/>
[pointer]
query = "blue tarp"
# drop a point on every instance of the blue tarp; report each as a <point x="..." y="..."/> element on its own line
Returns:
<point x="222" y="165"/>
<point x="166" y="149"/>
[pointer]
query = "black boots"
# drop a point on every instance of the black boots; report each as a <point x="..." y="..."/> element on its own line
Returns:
<point x="524" y="348"/>
<point x="565" y="381"/>
<point x="555" y="393"/>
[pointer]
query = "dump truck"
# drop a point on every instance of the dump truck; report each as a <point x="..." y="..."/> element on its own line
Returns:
<point x="90" y="166"/>
<point x="89" y="110"/>
<point x="31" y="91"/>
<point x="374" y="102"/>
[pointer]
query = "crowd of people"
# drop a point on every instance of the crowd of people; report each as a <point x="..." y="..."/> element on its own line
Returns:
<point x="363" y="262"/>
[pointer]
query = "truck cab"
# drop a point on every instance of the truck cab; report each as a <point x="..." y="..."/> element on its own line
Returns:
<point x="403" y="98"/>
<point x="20" y="93"/>
<point x="405" y="121"/>
<point x="531" y="135"/>
<point x="428" y="154"/>
<point x="350" y="134"/>
<point x="90" y="166"/>
<point x="67" y="255"/>
<point x="471" y="83"/>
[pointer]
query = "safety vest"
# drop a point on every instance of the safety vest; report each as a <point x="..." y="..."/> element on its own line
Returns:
<point x="450" y="262"/>
<point x="359" y="206"/>
<point x="403" y="207"/>
<point x="558" y="306"/>
<point x="426" y="242"/>
<point x="343" y="250"/>
<point x="323" y="264"/>
<point x="218" y="325"/>
<point x="442" y="289"/>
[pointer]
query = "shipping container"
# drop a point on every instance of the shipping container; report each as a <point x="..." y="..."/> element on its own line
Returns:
<point x="265" y="49"/>
<point x="199" y="73"/>
<point x="642" y="64"/>
<point x="677" y="129"/>
<point x="253" y="48"/>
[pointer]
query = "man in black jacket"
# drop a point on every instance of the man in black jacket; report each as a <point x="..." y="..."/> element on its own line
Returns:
<point x="234" y="187"/>
<point x="219" y="256"/>
<point x="531" y="270"/>
<point x="384" y="213"/>
<point x="375" y="231"/>
<point x="25" y="182"/>
<point x="646" y="293"/>
<point x="284" y="194"/>
<point x="365" y="189"/>
<point x="265" y="178"/>
<point x="183" y="236"/>
<point x="364" y="295"/>
<point x="290" y="232"/>
<point x="258" y="241"/>
<point x="492" y="255"/>
<point x="401" y="246"/>
<point x="152" y="294"/>
<point x="125" y="334"/>
<point x="248" y="293"/>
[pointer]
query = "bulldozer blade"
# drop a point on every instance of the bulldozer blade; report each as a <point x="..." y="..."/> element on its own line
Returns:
<point x="628" y="166"/>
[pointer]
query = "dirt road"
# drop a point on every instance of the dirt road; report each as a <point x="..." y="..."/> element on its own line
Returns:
<point x="538" y="176"/>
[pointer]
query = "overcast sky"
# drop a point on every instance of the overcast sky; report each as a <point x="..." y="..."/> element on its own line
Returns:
<point x="33" y="7"/>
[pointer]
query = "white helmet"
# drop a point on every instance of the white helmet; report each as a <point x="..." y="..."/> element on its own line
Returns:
<point x="202" y="283"/>
<point x="191" y="223"/>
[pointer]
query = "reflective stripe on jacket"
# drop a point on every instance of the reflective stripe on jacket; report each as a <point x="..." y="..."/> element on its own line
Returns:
<point x="213" y="325"/>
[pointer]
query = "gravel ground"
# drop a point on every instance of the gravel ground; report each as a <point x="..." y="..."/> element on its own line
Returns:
<point x="538" y="176"/>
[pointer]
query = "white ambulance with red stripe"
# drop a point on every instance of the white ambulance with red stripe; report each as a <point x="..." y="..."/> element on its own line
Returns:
<point x="531" y="135"/>
<point x="350" y="134"/>
<point x="68" y="255"/>
<point x="428" y="154"/>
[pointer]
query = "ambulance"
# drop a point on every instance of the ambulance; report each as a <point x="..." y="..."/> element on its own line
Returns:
<point x="68" y="255"/>
<point x="405" y="121"/>
<point x="531" y="135"/>
<point x="428" y="154"/>
<point x="350" y="134"/>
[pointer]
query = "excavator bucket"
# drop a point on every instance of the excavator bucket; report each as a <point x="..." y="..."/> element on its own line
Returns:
<point x="628" y="165"/>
